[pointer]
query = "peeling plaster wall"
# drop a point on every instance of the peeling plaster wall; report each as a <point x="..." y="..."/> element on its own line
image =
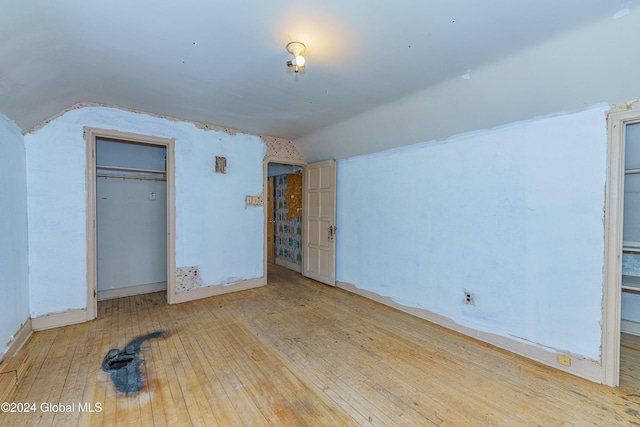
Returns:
<point x="14" y="256"/>
<point x="214" y="229"/>
<point x="513" y="215"/>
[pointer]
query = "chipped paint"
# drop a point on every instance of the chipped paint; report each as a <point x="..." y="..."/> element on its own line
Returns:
<point x="621" y="13"/>
<point x="276" y="147"/>
<point x="80" y="105"/>
<point x="281" y="149"/>
<point x="625" y="106"/>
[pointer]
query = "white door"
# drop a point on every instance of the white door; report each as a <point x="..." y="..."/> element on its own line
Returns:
<point x="320" y="222"/>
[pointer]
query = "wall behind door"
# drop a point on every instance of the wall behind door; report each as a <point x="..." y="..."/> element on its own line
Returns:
<point x="131" y="228"/>
<point x="288" y="227"/>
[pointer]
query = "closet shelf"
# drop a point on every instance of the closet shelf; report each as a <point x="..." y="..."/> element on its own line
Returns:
<point x="130" y="173"/>
<point x="631" y="284"/>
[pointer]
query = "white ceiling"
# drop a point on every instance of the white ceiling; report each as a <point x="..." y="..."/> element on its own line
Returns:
<point x="223" y="62"/>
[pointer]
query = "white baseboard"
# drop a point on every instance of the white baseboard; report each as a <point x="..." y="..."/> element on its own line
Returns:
<point x="56" y="320"/>
<point x="213" y="290"/>
<point x="19" y="339"/>
<point x="629" y="327"/>
<point x="290" y="265"/>
<point x="580" y="366"/>
<point x="131" y="290"/>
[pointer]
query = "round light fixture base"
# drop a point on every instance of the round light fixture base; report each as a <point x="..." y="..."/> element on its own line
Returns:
<point x="296" y="48"/>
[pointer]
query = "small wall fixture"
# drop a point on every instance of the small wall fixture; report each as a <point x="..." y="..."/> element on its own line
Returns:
<point x="296" y="49"/>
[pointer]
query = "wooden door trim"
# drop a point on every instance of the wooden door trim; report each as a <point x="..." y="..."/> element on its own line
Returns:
<point x="92" y="262"/>
<point x="613" y="221"/>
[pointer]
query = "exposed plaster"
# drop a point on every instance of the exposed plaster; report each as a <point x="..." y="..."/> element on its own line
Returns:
<point x="81" y="105"/>
<point x="625" y="106"/>
<point x="276" y="147"/>
<point x="281" y="148"/>
<point x="188" y="278"/>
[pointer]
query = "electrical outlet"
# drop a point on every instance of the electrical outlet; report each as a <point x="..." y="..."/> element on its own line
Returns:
<point x="564" y="360"/>
<point x="468" y="297"/>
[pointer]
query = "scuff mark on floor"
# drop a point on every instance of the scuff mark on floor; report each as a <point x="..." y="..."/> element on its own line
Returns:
<point x="124" y="365"/>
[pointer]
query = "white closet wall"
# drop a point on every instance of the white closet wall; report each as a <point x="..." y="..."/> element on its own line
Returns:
<point x="131" y="215"/>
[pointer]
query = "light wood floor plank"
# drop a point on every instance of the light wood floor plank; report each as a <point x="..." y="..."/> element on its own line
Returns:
<point x="296" y="353"/>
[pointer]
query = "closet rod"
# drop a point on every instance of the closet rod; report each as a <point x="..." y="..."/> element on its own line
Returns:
<point x="124" y="169"/>
<point x="141" y="178"/>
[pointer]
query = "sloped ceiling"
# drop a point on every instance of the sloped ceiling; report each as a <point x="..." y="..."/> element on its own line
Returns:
<point x="223" y="62"/>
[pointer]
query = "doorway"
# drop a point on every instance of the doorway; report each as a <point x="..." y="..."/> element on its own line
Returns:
<point x="284" y="215"/>
<point x="618" y="123"/>
<point x="130" y="221"/>
<point x="131" y="218"/>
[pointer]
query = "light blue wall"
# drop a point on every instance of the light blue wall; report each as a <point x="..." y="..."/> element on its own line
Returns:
<point x="14" y="257"/>
<point x="513" y="215"/>
<point x="214" y="229"/>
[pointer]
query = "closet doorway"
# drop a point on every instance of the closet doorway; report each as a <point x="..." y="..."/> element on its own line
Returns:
<point x="130" y="181"/>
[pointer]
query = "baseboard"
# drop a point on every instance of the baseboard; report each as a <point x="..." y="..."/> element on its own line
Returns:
<point x="580" y="366"/>
<point x="290" y="265"/>
<point x="629" y="327"/>
<point x="56" y="320"/>
<point x="18" y="340"/>
<point x="213" y="290"/>
<point x="131" y="290"/>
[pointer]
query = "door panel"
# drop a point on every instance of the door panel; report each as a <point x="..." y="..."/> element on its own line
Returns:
<point x="320" y="221"/>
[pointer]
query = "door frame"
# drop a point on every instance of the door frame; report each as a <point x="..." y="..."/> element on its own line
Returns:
<point x="613" y="221"/>
<point x="91" y="134"/>
<point x="265" y="186"/>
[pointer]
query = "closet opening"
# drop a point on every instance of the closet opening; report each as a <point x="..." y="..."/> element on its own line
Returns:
<point x="130" y="222"/>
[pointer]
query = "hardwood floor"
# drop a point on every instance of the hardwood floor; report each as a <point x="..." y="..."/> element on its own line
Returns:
<point x="297" y="352"/>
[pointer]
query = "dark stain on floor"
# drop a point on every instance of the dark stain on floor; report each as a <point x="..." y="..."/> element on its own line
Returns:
<point x="124" y="365"/>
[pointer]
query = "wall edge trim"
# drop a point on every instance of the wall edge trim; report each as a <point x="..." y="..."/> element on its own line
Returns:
<point x="128" y="291"/>
<point x="57" y="320"/>
<point x="580" y="366"/>
<point x="220" y="289"/>
<point x="19" y="339"/>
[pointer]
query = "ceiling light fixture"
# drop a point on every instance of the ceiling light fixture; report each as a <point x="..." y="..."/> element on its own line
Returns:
<point x="296" y="49"/>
